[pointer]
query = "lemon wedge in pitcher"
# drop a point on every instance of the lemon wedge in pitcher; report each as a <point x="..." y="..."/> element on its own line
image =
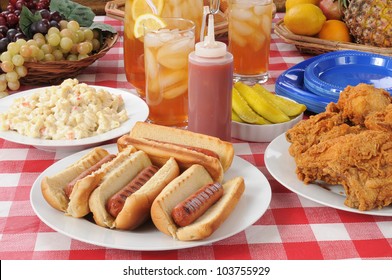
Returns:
<point x="149" y="21"/>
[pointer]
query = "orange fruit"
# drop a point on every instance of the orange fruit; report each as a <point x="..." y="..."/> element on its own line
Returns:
<point x="335" y="30"/>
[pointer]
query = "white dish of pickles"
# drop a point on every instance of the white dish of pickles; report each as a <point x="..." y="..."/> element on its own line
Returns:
<point x="261" y="116"/>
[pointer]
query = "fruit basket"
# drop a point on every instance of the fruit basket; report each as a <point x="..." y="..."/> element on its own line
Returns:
<point x="313" y="45"/>
<point x="54" y="72"/>
<point x="115" y="9"/>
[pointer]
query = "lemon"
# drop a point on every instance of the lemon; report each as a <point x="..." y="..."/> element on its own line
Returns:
<point x="304" y="19"/>
<point x="140" y="7"/>
<point x="150" y="21"/>
<point x="291" y="3"/>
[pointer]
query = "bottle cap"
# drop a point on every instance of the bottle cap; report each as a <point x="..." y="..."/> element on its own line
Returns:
<point x="209" y="47"/>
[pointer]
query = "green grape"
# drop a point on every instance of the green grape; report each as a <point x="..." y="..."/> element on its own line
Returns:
<point x="21" y="42"/>
<point x="82" y="56"/>
<point x="72" y="57"/>
<point x="2" y="78"/>
<point x="47" y="48"/>
<point x="25" y="51"/>
<point x="40" y="56"/>
<point x="18" y="60"/>
<point x="63" y="24"/>
<point x="88" y="34"/>
<point x="73" y="25"/>
<point x="80" y="35"/>
<point x="32" y="42"/>
<point x="58" y="55"/>
<point x="7" y="66"/>
<point x="96" y="44"/>
<point x="53" y="30"/>
<point x="12" y="76"/>
<point x="14" y="85"/>
<point x="70" y="34"/>
<point x="21" y="70"/>
<point x="13" y="48"/>
<point x="66" y="44"/>
<point x="49" y="57"/>
<point x="38" y="35"/>
<point x="3" y="85"/>
<point x="6" y="56"/>
<point x="40" y="41"/>
<point x="34" y="51"/>
<point x="54" y="39"/>
<point x="85" y="47"/>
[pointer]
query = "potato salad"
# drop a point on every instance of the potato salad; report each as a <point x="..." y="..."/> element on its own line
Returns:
<point x="70" y="111"/>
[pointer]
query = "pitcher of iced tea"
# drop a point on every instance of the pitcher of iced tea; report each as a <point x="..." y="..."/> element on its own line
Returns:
<point x="133" y="45"/>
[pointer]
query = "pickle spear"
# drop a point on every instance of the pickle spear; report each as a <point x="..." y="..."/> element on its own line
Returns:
<point x="261" y="105"/>
<point x="244" y="111"/>
<point x="235" y="117"/>
<point x="289" y="107"/>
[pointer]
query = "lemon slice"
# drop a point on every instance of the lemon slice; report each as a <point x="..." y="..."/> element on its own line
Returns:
<point x="140" y="7"/>
<point x="150" y="21"/>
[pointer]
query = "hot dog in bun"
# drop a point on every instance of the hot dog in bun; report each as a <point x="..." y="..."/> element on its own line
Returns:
<point x="188" y="148"/>
<point x="70" y="189"/>
<point x="193" y="205"/>
<point x="124" y="197"/>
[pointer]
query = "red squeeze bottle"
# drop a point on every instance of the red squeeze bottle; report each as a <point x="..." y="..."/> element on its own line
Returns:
<point x="210" y="83"/>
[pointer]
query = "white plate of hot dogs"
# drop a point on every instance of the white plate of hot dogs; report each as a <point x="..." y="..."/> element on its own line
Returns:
<point x="252" y="205"/>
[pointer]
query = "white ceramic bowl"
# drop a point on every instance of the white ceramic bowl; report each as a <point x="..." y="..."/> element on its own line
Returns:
<point x="261" y="133"/>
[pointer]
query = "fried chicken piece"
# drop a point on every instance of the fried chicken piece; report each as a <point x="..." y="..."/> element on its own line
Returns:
<point x="316" y="129"/>
<point x="361" y="162"/>
<point x="349" y="144"/>
<point x="381" y="120"/>
<point x="357" y="102"/>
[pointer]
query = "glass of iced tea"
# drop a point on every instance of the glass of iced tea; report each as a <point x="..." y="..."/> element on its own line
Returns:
<point x="166" y="66"/>
<point x="133" y="45"/>
<point x="250" y="24"/>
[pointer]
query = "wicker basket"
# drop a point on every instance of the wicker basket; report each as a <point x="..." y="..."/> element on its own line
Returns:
<point x="116" y="9"/>
<point x="313" y="45"/>
<point x="54" y="72"/>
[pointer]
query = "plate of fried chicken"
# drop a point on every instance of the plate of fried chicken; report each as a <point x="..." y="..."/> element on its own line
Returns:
<point x="342" y="157"/>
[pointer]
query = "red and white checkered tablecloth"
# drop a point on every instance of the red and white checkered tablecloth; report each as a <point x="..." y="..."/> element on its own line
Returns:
<point x="292" y="228"/>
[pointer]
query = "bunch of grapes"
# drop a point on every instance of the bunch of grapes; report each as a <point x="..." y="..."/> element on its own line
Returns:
<point x="53" y="39"/>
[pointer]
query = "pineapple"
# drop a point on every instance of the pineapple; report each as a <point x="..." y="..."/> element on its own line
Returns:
<point x="369" y="21"/>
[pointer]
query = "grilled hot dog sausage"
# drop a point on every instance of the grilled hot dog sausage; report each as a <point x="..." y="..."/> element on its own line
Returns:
<point x="116" y="203"/>
<point x="196" y="149"/>
<point x="196" y="204"/>
<point x="68" y="189"/>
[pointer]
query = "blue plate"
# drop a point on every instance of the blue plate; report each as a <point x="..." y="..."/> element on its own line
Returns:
<point x="291" y="84"/>
<point x="327" y="76"/>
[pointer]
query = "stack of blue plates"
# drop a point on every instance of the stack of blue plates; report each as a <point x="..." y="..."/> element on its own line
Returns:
<point x="318" y="81"/>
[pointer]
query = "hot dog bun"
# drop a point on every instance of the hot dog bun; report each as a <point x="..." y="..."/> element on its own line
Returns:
<point x="137" y="206"/>
<point x="183" y="186"/>
<point x="161" y="142"/>
<point x="53" y="187"/>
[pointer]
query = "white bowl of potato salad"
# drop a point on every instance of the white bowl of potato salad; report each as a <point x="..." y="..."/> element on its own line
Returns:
<point x="71" y="116"/>
<point x="260" y="116"/>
